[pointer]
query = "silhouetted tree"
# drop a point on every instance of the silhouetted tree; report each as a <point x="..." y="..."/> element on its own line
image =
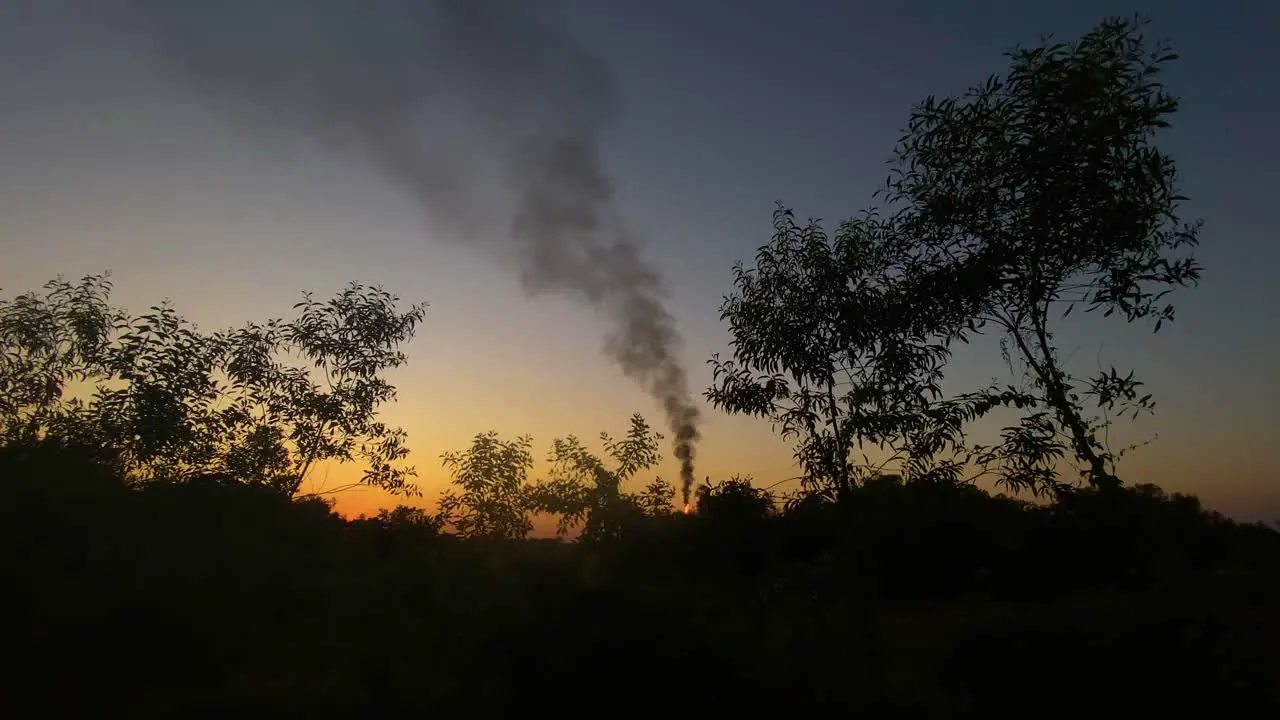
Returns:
<point x="494" y="491"/>
<point x="326" y="411"/>
<point x="819" y="352"/>
<point x="51" y="340"/>
<point x="404" y="516"/>
<point x="735" y="498"/>
<point x="1034" y="192"/>
<point x="658" y="498"/>
<point x="1038" y="192"/>
<point x="262" y="404"/>
<point x="581" y="489"/>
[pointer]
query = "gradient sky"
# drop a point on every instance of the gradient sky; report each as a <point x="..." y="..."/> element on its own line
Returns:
<point x="726" y="106"/>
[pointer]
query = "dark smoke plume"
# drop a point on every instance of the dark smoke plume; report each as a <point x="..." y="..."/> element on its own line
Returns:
<point x="491" y="117"/>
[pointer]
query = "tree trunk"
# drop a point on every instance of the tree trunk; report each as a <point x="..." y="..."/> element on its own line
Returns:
<point x="1046" y="368"/>
<point x="865" y="607"/>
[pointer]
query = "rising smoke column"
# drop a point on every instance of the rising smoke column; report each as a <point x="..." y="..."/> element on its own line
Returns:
<point x="491" y="118"/>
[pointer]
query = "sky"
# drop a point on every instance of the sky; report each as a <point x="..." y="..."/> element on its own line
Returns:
<point x="110" y="161"/>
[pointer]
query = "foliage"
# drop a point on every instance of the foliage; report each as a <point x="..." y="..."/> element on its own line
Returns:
<point x="262" y="403"/>
<point x="492" y="477"/>
<point x="581" y="490"/>
<point x="406" y="517"/>
<point x="737" y="498"/>
<point x="657" y="498"/>
<point x="51" y="340"/>
<point x="494" y="495"/>
<point x="1032" y="194"/>
<point x="818" y="351"/>
<point x="350" y="341"/>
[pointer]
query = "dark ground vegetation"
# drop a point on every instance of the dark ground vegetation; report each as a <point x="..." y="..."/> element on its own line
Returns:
<point x="215" y="596"/>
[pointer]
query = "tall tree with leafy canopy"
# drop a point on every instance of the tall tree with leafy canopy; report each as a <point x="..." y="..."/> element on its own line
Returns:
<point x="818" y="352"/>
<point x="1033" y="194"/>
<point x="261" y="404"/>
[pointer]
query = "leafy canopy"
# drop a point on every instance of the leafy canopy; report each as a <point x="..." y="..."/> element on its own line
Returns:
<point x="491" y="498"/>
<point x="1011" y="205"/>
<point x="583" y="490"/>
<point x="493" y="495"/>
<point x="261" y="404"/>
